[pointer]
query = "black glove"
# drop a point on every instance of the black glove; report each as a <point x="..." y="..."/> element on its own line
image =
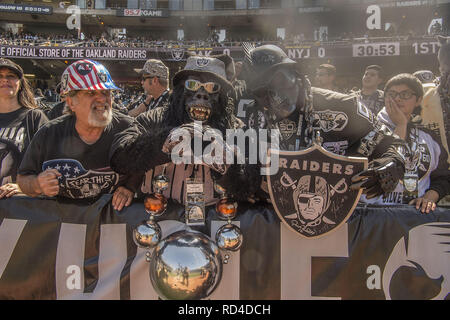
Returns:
<point x="381" y="177"/>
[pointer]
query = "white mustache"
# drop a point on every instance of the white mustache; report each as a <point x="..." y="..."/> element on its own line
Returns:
<point x="101" y="105"/>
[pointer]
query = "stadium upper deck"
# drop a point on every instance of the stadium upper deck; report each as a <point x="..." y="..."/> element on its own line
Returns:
<point x="347" y="32"/>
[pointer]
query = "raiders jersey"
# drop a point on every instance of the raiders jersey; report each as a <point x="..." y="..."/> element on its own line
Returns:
<point x="428" y="159"/>
<point x="347" y="126"/>
<point x="374" y="102"/>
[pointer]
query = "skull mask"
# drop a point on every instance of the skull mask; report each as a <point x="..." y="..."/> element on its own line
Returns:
<point x="202" y="94"/>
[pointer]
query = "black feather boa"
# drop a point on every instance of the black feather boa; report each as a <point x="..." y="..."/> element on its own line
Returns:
<point x="241" y="181"/>
<point x="141" y="153"/>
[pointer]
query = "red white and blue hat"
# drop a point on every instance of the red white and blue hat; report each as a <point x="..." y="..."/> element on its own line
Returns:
<point x="86" y="75"/>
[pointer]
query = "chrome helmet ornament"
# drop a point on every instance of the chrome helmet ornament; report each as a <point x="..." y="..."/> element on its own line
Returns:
<point x="186" y="265"/>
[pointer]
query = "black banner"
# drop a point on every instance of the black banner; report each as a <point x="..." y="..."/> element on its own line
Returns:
<point x="297" y="52"/>
<point x="97" y="53"/>
<point x="23" y="8"/>
<point x="75" y="250"/>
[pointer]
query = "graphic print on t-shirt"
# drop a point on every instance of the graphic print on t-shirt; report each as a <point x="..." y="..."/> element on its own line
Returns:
<point x="11" y="144"/>
<point x="78" y="183"/>
<point x="8" y="162"/>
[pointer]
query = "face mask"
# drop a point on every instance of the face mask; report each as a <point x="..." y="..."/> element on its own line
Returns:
<point x="281" y="94"/>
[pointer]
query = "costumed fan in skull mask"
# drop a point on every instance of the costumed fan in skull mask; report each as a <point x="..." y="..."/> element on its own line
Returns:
<point x="201" y="94"/>
<point x="285" y="100"/>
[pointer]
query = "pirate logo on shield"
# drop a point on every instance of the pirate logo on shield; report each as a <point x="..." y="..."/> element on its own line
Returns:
<point x="310" y="192"/>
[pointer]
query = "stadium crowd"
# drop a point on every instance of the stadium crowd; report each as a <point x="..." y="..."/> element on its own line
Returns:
<point x="106" y="40"/>
<point x="83" y="105"/>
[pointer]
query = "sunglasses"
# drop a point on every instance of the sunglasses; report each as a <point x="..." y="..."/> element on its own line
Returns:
<point x="404" y="95"/>
<point x="280" y="79"/>
<point x="194" y="85"/>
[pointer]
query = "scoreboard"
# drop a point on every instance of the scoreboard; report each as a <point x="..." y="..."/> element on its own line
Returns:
<point x="296" y="52"/>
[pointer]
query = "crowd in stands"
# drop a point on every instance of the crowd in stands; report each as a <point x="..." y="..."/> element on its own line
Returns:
<point x="105" y="40"/>
<point x="129" y="98"/>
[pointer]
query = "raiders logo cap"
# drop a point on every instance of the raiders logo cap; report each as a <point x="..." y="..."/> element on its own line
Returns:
<point x="6" y="63"/>
<point x="425" y="76"/>
<point x="196" y="65"/>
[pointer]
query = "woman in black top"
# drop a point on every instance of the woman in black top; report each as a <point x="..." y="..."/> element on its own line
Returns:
<point x="19" y="121"/>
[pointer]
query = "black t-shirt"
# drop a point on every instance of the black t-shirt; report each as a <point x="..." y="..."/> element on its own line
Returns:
<point x="85" y="169"/>
<point x="17" y="128"/>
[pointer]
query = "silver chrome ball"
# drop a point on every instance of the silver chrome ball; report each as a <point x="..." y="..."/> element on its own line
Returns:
<point x="185" y="265"/>
<point x="229" y="237"/>
<point x="160" y="183"/>
<point x="147" y="235"/>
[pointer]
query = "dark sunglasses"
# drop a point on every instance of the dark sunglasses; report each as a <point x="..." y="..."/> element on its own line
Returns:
<point x="283" y="78"/>
<point x="194" y="85"/>
<point x="404" y="95"/>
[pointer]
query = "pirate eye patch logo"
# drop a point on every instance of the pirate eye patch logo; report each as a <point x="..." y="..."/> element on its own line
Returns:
<point x="311" y="190"/>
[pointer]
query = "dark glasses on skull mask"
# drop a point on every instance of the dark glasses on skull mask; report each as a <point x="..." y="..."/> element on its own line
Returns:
<point x="194" y="85"/>
<point x="280" y="79"/>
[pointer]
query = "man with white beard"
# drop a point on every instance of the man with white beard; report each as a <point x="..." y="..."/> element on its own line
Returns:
<point x="69" y="157"/>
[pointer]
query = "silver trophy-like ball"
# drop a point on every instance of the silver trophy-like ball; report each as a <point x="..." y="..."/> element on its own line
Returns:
<point x="160" y="183"/>
<point x="185" y="266"/>
<point x="147" y="235"/>
<point x="229" y="237"/>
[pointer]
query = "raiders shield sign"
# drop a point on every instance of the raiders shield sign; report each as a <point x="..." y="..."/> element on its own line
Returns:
<point x="311" y="190"/>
